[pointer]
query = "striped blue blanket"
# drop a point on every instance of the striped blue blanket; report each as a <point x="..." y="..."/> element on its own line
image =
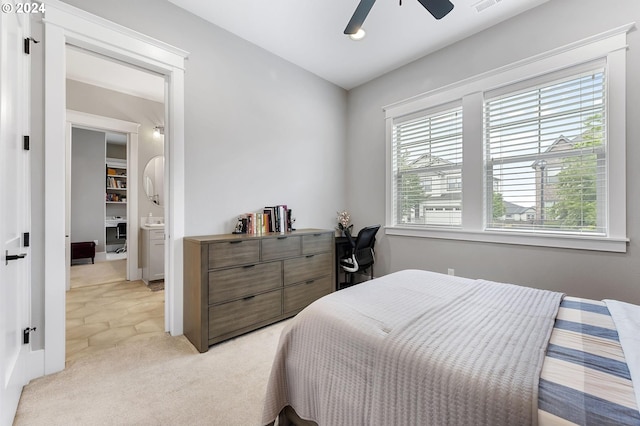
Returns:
<point x="585" y="379"/>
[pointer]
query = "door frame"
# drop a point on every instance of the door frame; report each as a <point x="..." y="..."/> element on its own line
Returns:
<point x="65" y="24"/>
<point x="79" y="119"/>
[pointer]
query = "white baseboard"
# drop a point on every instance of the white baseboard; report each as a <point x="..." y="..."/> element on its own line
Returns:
<point x="35" y="364"/>
<point x="101" y="256"/>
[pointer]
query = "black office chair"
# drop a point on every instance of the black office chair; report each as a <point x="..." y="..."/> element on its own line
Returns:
<point x="121" y="234"/>
<point x="121" y="230"/>
<point x="361" y="256"/>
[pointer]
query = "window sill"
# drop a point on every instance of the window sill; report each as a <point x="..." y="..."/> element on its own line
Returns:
<point x="617" y="245"/>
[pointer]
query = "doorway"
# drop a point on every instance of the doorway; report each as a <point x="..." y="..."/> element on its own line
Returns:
<point x="64" y="25"/>
<point x="106" y="303"/>
<point x="99" y="188"/>
<point x="100" y="216"/>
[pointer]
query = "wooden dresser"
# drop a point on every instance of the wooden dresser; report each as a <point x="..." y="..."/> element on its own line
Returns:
<point x="236" y="283"/>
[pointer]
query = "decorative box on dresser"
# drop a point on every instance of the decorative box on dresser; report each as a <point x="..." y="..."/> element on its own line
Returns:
<point x="236" y="283"/>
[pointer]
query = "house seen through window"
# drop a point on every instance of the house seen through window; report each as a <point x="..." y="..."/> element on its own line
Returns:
<point x="547" y="147"/>
<point x="427" y="153"/>
<point x="532" y="153"/>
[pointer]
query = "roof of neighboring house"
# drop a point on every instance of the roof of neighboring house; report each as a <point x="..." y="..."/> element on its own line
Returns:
<point x="560" y="144"/>
<point x="511" y="208"/>
<point x="427" y="160"/>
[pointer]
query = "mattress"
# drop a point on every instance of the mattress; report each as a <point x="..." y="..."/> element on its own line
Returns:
<point x="583" y="378"/>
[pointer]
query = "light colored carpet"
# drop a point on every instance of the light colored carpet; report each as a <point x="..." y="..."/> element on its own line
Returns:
<point x="161" y="381"/>
<point x="98" y="273"/>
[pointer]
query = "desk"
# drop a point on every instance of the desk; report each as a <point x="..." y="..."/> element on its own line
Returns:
<point x="342" y="248"/>
<point x="115" y="233"/>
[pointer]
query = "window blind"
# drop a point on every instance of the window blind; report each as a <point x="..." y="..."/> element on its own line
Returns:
<point x="427" y="165"/>
<point x="546" y="156"/>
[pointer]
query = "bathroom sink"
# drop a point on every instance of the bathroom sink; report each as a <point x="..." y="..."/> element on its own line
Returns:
<point x="153" y="225"/>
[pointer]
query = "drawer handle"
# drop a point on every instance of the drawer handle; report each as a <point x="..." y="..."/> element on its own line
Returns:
<point x="317" y="235"/>
<point x="235" y="242"/>
<point x="310" y="256"/>
<point x="248" y="297"/>
<point x="310" y="282"/>
<point x="282" y="238"/>
<point x="248" y="266"/>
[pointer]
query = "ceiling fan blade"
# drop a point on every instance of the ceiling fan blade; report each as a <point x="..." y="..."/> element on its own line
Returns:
<point x="359" y="16"/>
<point x="438" y="8"/>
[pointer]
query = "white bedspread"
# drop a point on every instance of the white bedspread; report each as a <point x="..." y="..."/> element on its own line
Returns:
<point x="437" y="350"/>
<point x="627" y="319"/>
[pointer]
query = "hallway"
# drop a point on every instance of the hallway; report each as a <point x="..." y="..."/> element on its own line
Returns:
<point x="104" y="310"/>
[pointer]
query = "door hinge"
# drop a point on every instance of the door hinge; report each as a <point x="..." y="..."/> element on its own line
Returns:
<point x="27" y="44"/>
<point x="25" y="334"/>
<point x="25" y="143"/>
<point x="25" y="239"/>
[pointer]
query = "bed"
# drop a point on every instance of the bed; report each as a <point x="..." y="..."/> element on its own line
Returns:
<point x="421" y="348"/>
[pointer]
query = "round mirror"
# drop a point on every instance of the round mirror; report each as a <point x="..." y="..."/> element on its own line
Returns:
<point x="153" y="180"/>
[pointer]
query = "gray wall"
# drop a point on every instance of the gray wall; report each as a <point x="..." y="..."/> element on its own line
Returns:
<point x="108" y="103"/>
<point x="87" y="186"/>
<point x="556" y="23"/>
<point x="258" y="130"/>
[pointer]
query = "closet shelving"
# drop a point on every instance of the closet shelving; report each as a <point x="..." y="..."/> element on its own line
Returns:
<point x="116" y="181"/>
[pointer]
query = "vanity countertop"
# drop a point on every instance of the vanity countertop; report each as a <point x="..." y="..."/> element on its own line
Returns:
<point x="152" y="226"/>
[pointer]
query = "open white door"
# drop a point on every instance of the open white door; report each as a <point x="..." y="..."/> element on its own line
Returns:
<point x="14" y="210"/>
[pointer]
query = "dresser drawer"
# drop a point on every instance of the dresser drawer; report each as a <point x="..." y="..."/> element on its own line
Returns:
<point x="307" y="268"/>
<point x="280" y="247"/>
<point x="231" y="253"/>
<point x="156" y="234"/>
<point x="316" y="243"/>
<point x="242" y="313"/>
<point x="300" y="295"/>
<point x="233" y="283"/>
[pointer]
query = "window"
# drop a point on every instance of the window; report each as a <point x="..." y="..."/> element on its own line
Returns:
<point x="427" y="163"/>
<point x="546" y="144"/>
<point x="536" y="150"/>
<point x="454" y="183"/>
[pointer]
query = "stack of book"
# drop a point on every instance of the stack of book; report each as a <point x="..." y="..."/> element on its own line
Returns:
<point x="279" y="218"/>
<point x="272" y="219"/>
<point x="116" y="183"/>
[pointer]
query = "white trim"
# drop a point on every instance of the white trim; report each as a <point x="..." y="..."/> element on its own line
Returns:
<point x="618" y="245"/>
<point x="54" y="200"/>
<point x="91" y="121"/>
<point x="617" y="131"/>
<point x="472" y="149"/>
<point x="610" y="45"/>
<point x="35" y="364"/>
<point x="79" y="118"/>
<point x="88" y="30"/>
<point x="66" y="24"/>
<point x="174" y="208"/>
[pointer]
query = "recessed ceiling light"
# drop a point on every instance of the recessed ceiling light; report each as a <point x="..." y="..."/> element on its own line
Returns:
<point x="359" y="35"/>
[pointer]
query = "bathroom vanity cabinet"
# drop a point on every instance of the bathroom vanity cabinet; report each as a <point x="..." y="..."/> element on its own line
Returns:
<point x="236" y="283"/>
<point x="152" y="254"/>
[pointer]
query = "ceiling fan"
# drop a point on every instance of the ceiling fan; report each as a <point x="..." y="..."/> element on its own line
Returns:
<point x="438" y="8"/>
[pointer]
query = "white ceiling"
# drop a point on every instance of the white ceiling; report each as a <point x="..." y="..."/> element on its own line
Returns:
<point x="309" y="33"/>
<point x="97" y="70"/>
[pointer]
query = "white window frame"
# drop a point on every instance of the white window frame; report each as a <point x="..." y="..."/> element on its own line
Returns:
<point x="610" y="46"/>
<point x="443" y="188"/>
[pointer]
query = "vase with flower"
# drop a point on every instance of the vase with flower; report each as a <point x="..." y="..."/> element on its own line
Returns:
<point x="344" y="222"/>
